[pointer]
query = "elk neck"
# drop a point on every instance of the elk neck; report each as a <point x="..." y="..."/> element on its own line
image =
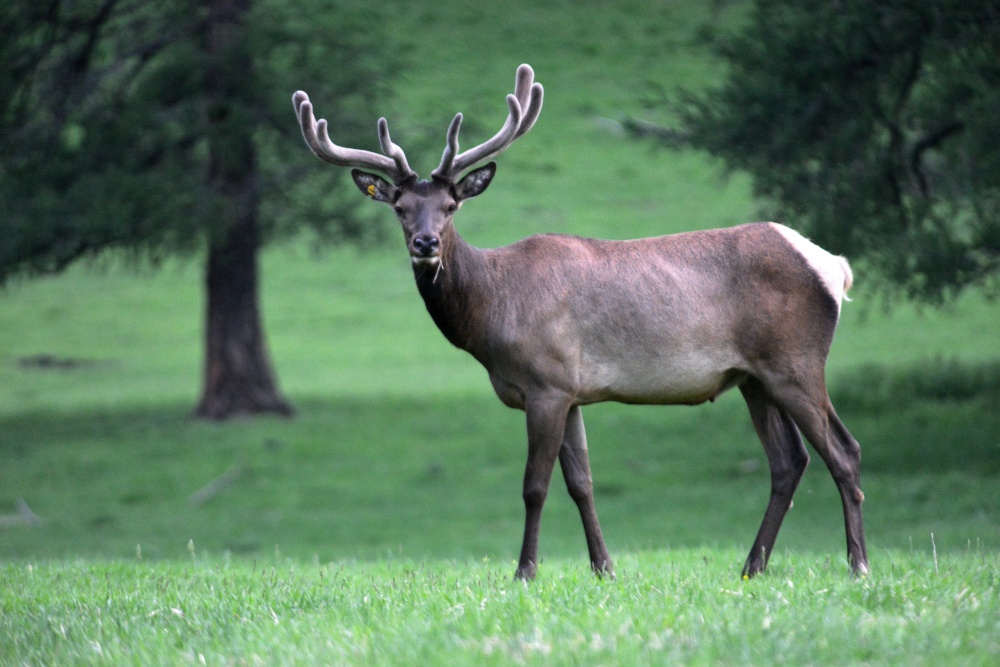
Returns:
<point x="456" y="293"/>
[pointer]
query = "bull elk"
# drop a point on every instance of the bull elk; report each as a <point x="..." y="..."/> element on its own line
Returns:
<point x="561" y="322"/>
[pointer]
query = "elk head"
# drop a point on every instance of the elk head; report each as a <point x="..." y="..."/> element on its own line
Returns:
<point x="425" y="207"/>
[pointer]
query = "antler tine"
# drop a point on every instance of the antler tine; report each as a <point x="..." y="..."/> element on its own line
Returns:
<point x="529" y="94"/>
<point x="493" y="146"/>
<point x="393" y="151"/>
<point x="523" y="81"/>
<point x="525" y="105"/>
<point x="317" y="138"/>
<point x="532" y="110"/>
<point x="444" y="169"/>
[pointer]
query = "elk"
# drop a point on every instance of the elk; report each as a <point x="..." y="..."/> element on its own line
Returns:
<point x="560" y="322"/>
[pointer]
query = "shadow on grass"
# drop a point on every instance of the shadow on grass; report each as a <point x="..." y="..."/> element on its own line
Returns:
<point x="440" y="477"/>
<point x="933" y="417"/>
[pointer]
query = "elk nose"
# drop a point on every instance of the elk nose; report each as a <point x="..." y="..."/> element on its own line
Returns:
<point x="426" y="245"/>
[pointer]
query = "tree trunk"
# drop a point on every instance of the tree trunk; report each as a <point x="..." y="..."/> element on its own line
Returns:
<point x="238" y="378"/>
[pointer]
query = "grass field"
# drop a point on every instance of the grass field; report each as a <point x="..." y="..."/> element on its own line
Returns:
<point x="380" y="525"/>
<point x="664" y="608"/>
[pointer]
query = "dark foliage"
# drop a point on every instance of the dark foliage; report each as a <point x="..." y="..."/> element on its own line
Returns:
<point x="872" y="127"/>
<point x="105" y="124"/>
<point x="161" y="128"/>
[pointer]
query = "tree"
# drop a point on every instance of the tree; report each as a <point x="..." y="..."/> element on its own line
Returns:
<point x="158" y="128"/>
<point x="870" y="125"/>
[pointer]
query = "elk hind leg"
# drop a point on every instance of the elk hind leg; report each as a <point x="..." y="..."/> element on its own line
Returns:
<point x="846" y="470"/>
<point x="787" y="458"/>
<point x="575" y="464"/>
<point x="813" y="413"/>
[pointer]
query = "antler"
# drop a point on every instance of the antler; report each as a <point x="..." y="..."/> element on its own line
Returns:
<point x="393" y="164"/>
<point x="525" y="105"/>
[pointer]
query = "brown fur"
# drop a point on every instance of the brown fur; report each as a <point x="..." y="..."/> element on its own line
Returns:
<point x="561" y="321"/>
<point x="542" y="314"/>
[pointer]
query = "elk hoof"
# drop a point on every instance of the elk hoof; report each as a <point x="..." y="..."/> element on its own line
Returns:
<point x="604" y="570"/>
<point x="752" y="569"/>
<point x="525" y="572"/>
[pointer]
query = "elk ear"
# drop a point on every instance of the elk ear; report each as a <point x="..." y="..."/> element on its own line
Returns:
<point x="373" y="186"/>
<point x="476" y="181"/>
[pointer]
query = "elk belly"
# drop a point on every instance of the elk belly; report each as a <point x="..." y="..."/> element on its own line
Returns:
<point x="658" y="380"/>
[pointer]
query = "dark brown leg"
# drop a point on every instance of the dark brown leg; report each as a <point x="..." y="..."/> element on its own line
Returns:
<point x="849" y="468"/>
<point x="546" y="417"/>
<point x="787" y="457"/>
<point x="576" y="470"/>
<point x="814" y="415"/>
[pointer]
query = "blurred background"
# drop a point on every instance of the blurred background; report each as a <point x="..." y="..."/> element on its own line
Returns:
<point x="207" y="335"/>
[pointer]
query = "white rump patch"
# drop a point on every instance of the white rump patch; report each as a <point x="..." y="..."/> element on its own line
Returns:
<point x="833" y="270"/>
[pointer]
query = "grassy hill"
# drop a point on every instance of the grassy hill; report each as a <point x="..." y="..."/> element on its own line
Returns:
<point x="98" y="367"/>
<point x="400" y="451"/>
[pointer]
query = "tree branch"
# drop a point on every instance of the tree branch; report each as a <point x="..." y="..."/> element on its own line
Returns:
<point x="643" y="128"/>
<point x="217" y="485"/>
<point x="927" y="142"/>
<point x="24" y="516"/>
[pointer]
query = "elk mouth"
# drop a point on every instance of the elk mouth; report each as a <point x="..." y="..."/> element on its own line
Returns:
<point x="425" y="261"/>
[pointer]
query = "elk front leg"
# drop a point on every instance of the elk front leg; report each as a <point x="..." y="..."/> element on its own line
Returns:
<point x="546" y="423"/>
<point x="576" y="470"/>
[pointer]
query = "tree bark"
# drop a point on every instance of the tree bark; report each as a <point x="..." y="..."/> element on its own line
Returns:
<point x="238" y="377"/>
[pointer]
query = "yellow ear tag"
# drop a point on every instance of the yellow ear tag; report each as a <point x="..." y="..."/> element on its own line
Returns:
<point x="371" y="190"/>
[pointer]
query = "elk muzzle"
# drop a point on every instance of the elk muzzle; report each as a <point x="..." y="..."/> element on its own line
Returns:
<point x="425" y="249"/>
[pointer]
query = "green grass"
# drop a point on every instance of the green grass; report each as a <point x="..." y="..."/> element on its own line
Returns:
<point x="672" y="607"/>
<point x="372" y="527"/>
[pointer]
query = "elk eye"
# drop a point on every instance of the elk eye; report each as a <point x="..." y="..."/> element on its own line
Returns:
<point x="451" y="208"/>
<point x="399" y="211"/>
